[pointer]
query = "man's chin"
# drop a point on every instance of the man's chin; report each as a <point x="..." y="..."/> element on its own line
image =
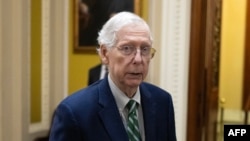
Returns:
<point x="134" y="82"/>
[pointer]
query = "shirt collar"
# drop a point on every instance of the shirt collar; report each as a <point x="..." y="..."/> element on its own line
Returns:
<point x="120" y="97"/>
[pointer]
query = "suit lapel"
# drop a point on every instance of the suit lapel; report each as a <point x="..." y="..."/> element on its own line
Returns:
<point x="149" y="113"/>
<point x="109" y="114"/>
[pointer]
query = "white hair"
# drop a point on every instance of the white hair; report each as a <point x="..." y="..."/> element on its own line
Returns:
<point x="107" y="35"/>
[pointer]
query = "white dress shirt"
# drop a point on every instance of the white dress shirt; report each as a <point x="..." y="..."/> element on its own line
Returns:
<point x="121" y="101"/>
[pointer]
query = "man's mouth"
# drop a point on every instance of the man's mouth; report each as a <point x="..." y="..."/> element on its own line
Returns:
<point x="135" y="74"/>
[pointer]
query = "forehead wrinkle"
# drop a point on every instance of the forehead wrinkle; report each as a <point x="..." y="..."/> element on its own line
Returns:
<point x="129" y="35"/>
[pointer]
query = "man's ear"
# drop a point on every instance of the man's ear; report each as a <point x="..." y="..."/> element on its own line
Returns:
<point x="104" y="54"/>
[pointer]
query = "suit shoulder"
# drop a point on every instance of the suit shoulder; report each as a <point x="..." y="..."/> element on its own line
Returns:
<point x="154" y="89"/>
<point x="82" y="96"/>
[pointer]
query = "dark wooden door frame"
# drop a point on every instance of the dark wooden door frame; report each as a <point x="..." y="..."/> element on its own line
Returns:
<point x="196" y="71"/>
<point x="203" y="72"/>
<point x="246" y="88"/>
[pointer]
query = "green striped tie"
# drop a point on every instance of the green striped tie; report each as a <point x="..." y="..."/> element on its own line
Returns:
<point x="133" y="126"/>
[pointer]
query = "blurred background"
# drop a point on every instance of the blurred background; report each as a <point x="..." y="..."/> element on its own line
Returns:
<point x="202" y="59"/>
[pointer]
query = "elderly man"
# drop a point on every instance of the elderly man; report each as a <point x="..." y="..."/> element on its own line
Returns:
<point x="120" y="107"/>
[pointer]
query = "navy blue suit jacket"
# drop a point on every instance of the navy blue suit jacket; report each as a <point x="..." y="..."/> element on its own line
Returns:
<point x="91" y="114"/>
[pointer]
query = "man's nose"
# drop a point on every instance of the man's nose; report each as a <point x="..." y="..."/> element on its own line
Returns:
<point x="138" y="56"/>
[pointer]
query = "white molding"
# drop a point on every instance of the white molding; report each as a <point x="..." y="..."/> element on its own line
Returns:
<point x="1" y="72"/>
<point x="65" y="46"/>
<point x="35" y="128"/>
<point x="233" y="116"/>
<point x="54" y="61"/>
<point x="46" y="83"/>
<point x="169" y="69"/>
<point x="60" y="42"/>
<point x="15" y="66"/>
<point x="44" y="124"/>
<point x="14" y="70"/>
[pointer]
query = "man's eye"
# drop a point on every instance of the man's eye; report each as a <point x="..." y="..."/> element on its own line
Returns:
<point x="127" y="48"/>
<point x="145" y="49"/>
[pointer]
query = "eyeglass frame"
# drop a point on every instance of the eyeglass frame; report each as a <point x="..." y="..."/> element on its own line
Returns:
<point x="134" y="50"/>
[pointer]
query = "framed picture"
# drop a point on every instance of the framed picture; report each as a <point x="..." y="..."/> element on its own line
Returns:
<point x="89" y="17"/>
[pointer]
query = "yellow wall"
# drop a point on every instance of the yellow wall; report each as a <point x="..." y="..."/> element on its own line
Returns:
<point x="80" y="63"/>
<point x="35" y="88"/>
<point x="232" y="52"/>
<point x="144" y="9"/>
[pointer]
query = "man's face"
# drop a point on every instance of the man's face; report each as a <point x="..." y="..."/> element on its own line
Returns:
<point x="129" y="70"/>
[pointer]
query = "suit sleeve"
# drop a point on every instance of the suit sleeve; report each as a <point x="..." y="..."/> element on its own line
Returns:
<point x="64" y="126"/>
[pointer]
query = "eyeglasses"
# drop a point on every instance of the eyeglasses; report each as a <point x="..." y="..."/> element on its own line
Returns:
<point x="145" y="51"/>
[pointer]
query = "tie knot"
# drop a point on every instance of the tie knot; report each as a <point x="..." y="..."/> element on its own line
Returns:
<point x="131" y="105"/>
